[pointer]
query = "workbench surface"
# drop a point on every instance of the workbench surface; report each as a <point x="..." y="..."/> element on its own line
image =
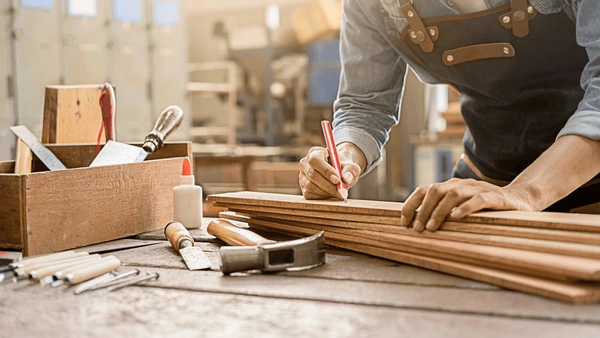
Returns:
<point x="353" y="295"/>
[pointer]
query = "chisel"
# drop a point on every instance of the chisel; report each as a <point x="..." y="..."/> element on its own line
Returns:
<point x="25" y="270"/>
<point x="121" y="153"/>
<point x="52" y="269"/>
<point x="36" y="259"/>
<point x="59" y="275"/>
<point x="181" y="240"/>
<point x="106" y="264"/>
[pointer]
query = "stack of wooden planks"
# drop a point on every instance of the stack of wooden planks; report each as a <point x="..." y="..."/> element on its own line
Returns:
<point x="555" y="255"/>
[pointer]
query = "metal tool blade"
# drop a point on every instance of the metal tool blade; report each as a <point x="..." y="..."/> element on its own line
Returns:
<point x="118" y="153"/>
<point x="45" y="155"/>
<point x="195" y="258"/>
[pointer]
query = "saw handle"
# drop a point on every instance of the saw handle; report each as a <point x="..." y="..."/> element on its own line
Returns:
<point x="236" y="236"/>
<point x="168" y="121"/>
<point x="176" y="234"/>
<point x="108" y="108"/>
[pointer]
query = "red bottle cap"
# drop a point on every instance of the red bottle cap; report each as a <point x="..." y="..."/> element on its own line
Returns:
<point x="186" y="167"/>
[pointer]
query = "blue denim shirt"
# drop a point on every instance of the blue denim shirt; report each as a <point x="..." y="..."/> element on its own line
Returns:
<point x="374" y="65"/>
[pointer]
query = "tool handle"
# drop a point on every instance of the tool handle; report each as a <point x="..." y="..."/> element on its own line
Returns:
<point x="62" y="274"/>
<point x="96" y="269"/>
<point x="233" y="235"/>
<point x="44" y="258"/>
<point x="52" y="269"/>
<point x="334" y="158"/>
<point x="176" y="233"/>
<point x="168" y="121"/>
<point x="108" y="106"/>
<point x="74" y="257"/>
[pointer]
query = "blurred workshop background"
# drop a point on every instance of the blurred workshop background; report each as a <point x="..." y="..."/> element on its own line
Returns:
<point x="254" y="77"/>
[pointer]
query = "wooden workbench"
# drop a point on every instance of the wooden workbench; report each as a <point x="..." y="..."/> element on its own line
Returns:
<point x="353" y="295"/>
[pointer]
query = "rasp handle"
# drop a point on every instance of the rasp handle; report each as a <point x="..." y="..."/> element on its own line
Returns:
<point x="168" y="121"/>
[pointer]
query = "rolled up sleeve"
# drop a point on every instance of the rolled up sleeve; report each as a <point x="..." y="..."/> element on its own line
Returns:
<point x="370" y="85"/>
<point x="586" y="120"/>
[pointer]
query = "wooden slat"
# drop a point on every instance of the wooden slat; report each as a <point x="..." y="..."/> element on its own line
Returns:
<point x="541" y="264"/>
<point x="569" y="249"/>
<point x="486" y="229"/>
<point x="547" y="220"/>
<point x="571" y="292"/>
<point x="23" y="158"/>
<point x="72" y="208"/>
<point x="310" y="213"/>
<point x="11" y="211"/>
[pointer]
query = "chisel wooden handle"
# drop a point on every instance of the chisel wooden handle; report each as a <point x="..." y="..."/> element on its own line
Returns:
<point x="52" y="269"/>
<point x="177" y="233"/>
<point x="62" y="274"/>
<point x="233" y="235"/>
<point x="27" y="269"/>
<point x="44" y="258"/>
<point x="96" y="269"/>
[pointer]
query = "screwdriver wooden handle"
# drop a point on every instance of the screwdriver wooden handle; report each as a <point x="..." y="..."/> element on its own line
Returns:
<point x="168" y="121"/>
<point x="236" y="236"/>
<point x="177" y="233"/>
<point x="96" y="269"/>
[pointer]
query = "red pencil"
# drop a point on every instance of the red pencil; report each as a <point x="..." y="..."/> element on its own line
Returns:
<point x="334" y="159"/>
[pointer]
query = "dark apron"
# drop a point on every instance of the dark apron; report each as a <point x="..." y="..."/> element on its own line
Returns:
<point x="518" y="72"/>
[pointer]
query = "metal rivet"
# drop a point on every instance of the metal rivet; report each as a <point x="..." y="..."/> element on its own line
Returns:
<point x="420" y="36"/>
<point x="506" y="50"/>
<point x="450" y="58"/>
<point x="432" y="32"/>
<point x="413" y="35"/>
<point x="530" y="9"/>
<point x="506" y="19"/>
<point x="519" y="16"/>
<point x="411" y="14"/>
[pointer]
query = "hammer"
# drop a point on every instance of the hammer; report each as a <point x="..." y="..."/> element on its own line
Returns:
<point x="251" y="251"/>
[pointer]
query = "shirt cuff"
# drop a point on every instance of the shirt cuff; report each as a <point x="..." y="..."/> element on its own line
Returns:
<point x="365" y="142"/>
<point x="584" y="123"/>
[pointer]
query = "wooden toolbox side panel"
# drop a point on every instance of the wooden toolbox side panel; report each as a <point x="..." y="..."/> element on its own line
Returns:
<point x="11" y="211"/>
<point x="72" y="208"/>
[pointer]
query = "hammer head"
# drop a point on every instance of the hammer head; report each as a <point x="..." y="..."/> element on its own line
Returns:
<point x="298" y="254"/>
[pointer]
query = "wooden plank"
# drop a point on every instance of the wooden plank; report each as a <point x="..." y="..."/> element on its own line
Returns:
<point x="310" y="213"/>
<point x="11" y="211"/>
<point x="547" y="265"/>
<point x="72" y="208"/>
<point x="156" y="312"/>
<point x="486" y="229"/>
<point x="577" y="293"/>
<point x="569" y="249"/>
<point x="72" y="114"/>
<point x="23" y="158"/>
<point x="7" y="167"/>
<point x="547" y="220"/>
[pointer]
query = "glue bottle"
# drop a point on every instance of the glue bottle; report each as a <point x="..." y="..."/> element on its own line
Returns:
<point x="187" y="199"/>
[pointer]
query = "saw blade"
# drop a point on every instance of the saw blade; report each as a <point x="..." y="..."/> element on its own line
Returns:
<point x="195" y="258"/>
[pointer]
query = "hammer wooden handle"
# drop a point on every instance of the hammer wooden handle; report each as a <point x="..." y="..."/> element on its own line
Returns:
<point x="233" y="235"/>
<point x="176" y="233"/>
<point x="96" y="269"/>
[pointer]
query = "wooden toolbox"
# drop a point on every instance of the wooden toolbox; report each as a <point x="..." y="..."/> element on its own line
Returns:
<point x="46" y="211"/>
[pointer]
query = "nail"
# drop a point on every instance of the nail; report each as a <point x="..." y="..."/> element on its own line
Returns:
<point x="403" y="221"/>
<point x="348" y="177"/>
<point x="418" y="226"/>
<point x="430" y="225"/>
<point x="334" y="179"/>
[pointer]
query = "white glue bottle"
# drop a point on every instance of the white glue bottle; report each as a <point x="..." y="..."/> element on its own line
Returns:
<point x="187" y="199"/>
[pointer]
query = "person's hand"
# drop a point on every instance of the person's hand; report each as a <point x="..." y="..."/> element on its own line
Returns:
<point x="459" y="198"/>
<point x="318" y="179"/>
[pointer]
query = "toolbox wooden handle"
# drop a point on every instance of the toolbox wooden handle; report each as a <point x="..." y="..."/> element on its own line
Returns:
<point x="23" y="158"/>
<point x="233" y="235"/>
<point x="177" y="233"/>
<point x="106" y="264"/>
